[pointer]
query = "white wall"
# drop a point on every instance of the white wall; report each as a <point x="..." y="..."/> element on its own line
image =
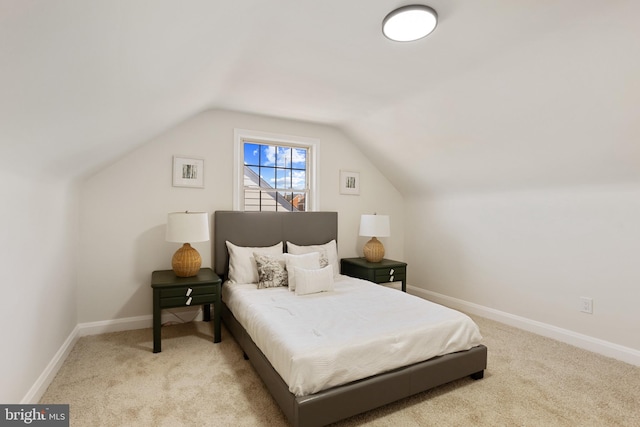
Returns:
<point x="38" y="248"/>
<point x="534" y="253"/>
<point x="124" y="206"/>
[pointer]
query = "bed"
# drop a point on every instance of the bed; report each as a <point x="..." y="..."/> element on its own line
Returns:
<point x="334" y="402"/>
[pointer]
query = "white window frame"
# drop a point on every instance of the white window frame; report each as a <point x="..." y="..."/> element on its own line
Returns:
<point x="311" y="144"/>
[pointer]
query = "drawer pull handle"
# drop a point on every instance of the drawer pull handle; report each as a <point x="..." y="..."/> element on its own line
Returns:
<point x="390" y="272"/>
<point x="189" y="291"/>
<point x="189" y="301"/>
<point x="391" y="278"/>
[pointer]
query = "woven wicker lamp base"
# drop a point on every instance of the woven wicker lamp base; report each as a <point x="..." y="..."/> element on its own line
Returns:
<point x="373" y="250"/>
<point x="186" y="261"/>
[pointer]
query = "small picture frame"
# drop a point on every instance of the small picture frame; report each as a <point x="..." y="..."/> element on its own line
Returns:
<point x="350" y="183"/>
<point x="188" y="172"/>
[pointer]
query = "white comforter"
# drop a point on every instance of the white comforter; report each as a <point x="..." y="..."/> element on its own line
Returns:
<point x="331" y="338"/>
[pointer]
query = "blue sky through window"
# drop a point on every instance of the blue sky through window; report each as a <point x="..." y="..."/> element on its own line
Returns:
<point x="280" y="167"/>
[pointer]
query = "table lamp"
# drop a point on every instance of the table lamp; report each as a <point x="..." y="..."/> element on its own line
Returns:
<point x="187" y="227"/>
<point x="374" y="226"/>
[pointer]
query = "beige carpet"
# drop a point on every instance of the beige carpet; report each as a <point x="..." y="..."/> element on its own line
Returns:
<point x="116" y="380"/>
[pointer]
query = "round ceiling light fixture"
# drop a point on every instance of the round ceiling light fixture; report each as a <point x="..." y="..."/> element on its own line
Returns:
<point x="409" y="23"/>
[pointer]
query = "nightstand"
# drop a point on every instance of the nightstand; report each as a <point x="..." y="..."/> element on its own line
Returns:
<point x="171" y="291"/>
<point x="378" y="272"/>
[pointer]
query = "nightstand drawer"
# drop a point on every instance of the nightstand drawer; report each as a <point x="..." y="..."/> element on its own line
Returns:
<point x="187" y="301"/>
<point x="384" y="271"/>
<point x="184" y="291"/>
<point x="390" y="274"/>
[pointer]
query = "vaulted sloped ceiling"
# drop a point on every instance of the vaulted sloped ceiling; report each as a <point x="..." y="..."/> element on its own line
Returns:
<point x="504" y="94"/>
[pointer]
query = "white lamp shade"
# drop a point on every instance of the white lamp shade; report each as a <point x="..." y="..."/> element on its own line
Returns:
<point x="187" y="227"/>
<point x="375" y="225"/>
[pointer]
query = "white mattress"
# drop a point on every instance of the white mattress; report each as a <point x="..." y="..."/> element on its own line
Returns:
<point x="361" y="329"/>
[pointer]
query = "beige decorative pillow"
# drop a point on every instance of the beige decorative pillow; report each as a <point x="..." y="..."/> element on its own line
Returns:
<point x="328" y="253"/>
<point x="310" y="261"/>
<point x="242" y="264"/>
<point x="314" y="281"/>
<point x="271" y="271"/>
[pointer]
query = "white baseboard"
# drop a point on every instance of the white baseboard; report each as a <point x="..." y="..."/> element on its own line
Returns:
<point x="139" y="322"/>
<point x="596" y="345"/>
<point x="102" y="327"/>
<point x="116" y="325"/>
<point x="42" y="383"/>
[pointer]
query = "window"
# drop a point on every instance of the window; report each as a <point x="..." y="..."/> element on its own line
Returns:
<point x="274" y="172"/>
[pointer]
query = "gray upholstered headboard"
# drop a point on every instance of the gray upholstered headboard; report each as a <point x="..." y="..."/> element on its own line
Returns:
<point x="267" y="229"/>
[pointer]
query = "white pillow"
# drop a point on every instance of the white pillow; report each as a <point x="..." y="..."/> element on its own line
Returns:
<point x="329" y="250"/>
<point x="313" y="281"/>
<point x="310" y="261"/>
<point x="242" y="264"/>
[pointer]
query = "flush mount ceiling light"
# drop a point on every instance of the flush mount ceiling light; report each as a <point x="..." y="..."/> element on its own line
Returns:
<point x="409" y="23"/>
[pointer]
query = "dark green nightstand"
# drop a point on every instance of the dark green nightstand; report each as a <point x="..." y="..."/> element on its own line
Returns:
<point x="171" y="291"/>
<point x="378" y="272"/>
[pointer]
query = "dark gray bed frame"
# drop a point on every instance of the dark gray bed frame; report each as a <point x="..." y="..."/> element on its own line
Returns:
<point x="328" y="406"/>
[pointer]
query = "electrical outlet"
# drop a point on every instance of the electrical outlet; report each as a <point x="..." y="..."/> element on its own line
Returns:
<point x="586" y="305"/>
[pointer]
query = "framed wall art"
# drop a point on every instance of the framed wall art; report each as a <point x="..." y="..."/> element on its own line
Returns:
<point x="188" y="172"/>
<point x="350" y="183"/>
